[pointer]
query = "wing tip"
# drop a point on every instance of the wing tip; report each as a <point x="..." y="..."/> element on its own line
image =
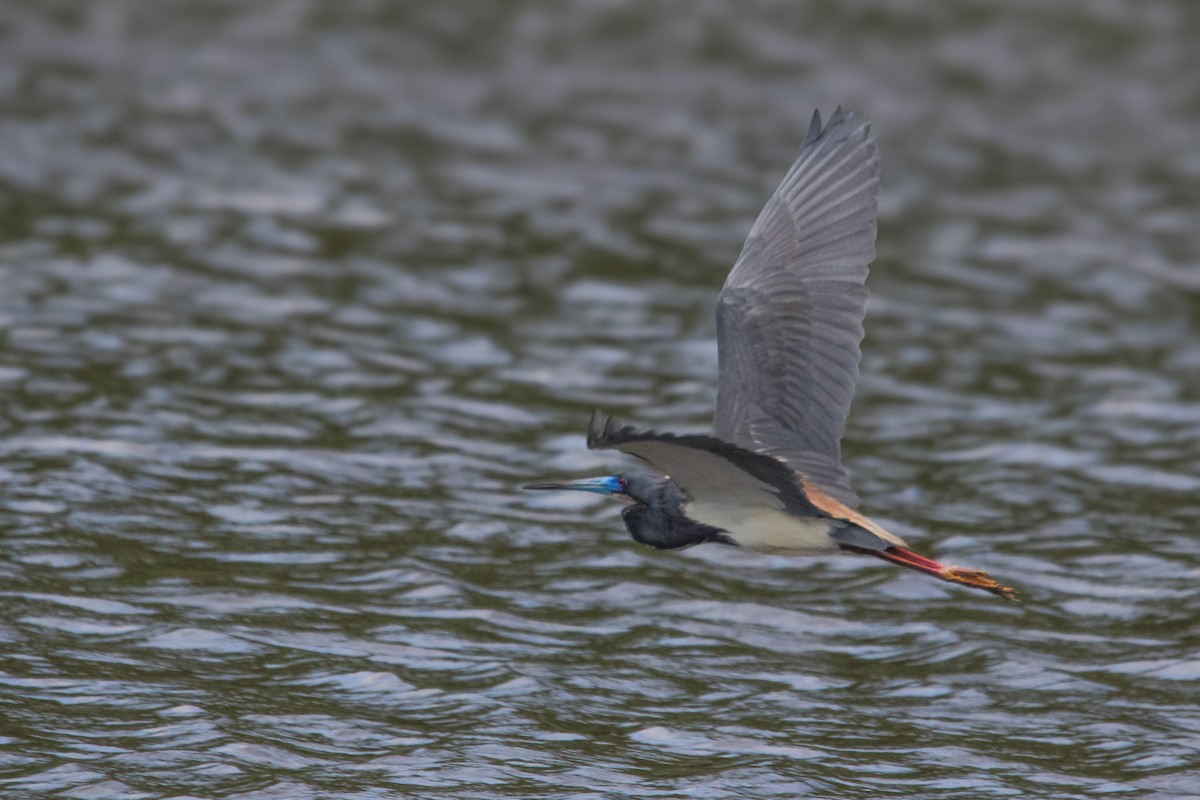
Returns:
<point x="842" y="123"/>
<point x="602" y="429"/>
<point x="814" y="128"/>
<point x="606" y="433"/>
<point x="596" y="427"/>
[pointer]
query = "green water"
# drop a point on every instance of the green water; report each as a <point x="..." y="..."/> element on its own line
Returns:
<point x="295" y="295"/>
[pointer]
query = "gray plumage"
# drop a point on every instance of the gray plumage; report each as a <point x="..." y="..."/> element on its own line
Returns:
<point x="790" y="316"/>
<point x="701" y="464"/>
<point x="789" y="330"/>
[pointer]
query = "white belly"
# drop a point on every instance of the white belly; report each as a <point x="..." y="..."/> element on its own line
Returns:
<point x="767" y="530"/>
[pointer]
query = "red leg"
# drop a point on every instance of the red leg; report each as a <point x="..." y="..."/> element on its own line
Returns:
<point x="976" y="579"/>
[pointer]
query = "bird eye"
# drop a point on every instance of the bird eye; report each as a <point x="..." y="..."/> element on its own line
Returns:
<point x="623" y="483"/>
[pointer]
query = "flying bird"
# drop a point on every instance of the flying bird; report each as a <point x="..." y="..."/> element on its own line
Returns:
<point x="789" y="330"/>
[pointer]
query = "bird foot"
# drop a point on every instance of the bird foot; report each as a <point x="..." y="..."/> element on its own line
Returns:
<point x="977" y="579"/>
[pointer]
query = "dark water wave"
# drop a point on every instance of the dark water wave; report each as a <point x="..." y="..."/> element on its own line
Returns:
<point x="293" y="296"/>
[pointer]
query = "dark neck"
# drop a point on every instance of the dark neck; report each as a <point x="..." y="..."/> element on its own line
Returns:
<point x="663" y="525"/>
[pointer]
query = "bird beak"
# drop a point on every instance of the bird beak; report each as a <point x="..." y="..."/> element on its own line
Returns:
<point x="609" y="484"/>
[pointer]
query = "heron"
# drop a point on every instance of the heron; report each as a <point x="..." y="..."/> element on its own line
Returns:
<point x="789" y="332"/>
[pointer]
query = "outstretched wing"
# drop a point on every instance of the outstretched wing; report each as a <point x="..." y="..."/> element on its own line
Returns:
<point x="708" y="469"/>
<point x="789" y="318"/>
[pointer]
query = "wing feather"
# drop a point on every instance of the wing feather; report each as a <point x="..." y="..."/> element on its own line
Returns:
<point x="789" y="318"/>
<point x="815" y="470"/>
<point x="708" y="469"/>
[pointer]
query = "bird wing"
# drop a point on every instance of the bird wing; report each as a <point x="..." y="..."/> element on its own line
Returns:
<point x="825" y="473"/>
<point x="789" y="318"/>
<point x="708" y="469"/>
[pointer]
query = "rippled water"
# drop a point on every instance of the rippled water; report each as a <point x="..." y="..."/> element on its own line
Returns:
<point x="294" y="296"/>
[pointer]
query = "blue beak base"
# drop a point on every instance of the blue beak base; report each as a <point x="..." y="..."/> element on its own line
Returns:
<point x="609" y="484"/>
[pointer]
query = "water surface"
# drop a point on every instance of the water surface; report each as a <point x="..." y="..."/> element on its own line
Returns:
<point x="294" y="296"/>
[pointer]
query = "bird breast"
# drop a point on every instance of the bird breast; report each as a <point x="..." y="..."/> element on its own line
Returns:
<point x="767" y="530"/>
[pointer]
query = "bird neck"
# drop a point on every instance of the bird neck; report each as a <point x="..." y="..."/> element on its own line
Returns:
<point x="661" y="523"/>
